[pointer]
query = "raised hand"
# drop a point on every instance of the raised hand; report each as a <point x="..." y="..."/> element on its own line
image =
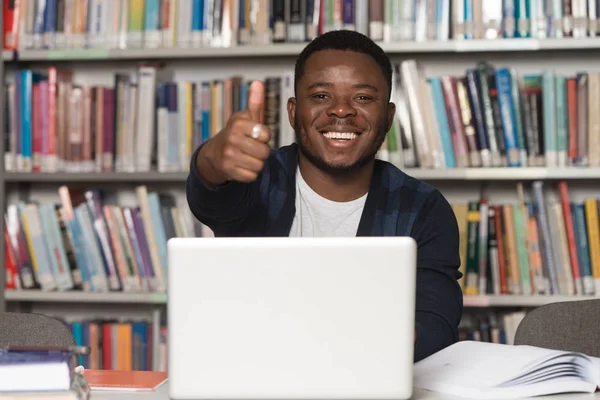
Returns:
<point x="240" y="150"/>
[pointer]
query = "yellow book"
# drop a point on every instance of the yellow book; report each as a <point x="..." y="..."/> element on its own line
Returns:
<point x="460" y="212"/>
<point x="591" y="215"/>
<point x="136" y="22"/>
<point x="189" y="121"/>
<point x="124" y="333"/>
<point x="27" y="235"/>
<point x="510" y="246"/>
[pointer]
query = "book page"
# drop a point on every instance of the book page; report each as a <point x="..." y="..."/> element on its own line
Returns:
<point x="477" y="366"/>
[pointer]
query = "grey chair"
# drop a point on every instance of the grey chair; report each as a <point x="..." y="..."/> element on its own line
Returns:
<point x="33" y="330"/>
<point x="570" y="326"/>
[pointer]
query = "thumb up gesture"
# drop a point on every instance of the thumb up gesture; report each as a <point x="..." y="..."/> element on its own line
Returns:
<point x="240" y="150"/>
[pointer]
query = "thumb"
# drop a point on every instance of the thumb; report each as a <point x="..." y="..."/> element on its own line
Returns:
<point x="256" y="100"/>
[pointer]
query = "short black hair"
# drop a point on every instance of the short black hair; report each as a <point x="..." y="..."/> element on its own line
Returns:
<point x="344" y="40"/>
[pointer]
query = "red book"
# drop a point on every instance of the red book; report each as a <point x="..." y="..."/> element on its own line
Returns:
<point x="10" y="262"/>
<point x="566" y="206"/>
<point x="102" y="379"/>
<point x="10" y="14"/>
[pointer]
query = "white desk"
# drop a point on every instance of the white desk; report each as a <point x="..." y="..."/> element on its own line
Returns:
<point x="163" y="394"/>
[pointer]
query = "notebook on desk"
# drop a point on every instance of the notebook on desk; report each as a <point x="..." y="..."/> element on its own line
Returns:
<point x="482" y="370"/>
<point x="264" y="318"/>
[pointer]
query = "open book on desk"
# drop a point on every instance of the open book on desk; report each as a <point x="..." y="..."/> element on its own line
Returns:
<point x="497" y="371"/>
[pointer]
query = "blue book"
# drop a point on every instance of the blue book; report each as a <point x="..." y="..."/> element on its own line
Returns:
<point x="442" y="120"/>
<point x="507" y="116"/>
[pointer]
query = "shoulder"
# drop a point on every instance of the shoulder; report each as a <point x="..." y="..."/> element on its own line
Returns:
<point x="419" y="201"/>
<point x="397" y="180"/>
<point x="404" y="188"/>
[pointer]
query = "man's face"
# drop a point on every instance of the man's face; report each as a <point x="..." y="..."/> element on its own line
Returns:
<point x="341" y="112"/>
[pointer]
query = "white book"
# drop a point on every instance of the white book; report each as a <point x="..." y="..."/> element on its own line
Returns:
<point x="411" y="81"/>
<point x="184" y="23"/>
<point x="145" y="126"/>
<point x="458" y="22"/>
<point x="483" y="370"/>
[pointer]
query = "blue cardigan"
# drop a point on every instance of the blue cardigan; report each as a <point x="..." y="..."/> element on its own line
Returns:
<point x="396" y="205"/>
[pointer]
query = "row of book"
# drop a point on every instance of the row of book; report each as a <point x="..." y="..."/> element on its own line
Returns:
<point x="145" y="121"/>
<point x="533" y="247"/>
<point x="122" y="24"/>
<point x="488" y="117"/>
<point x="119" y="345"/>
<point x="491" y="327"/>
<point x="495" y="116"/>
<point x="84" y="242"/>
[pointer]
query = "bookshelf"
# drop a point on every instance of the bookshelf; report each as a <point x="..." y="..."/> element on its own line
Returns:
<point x="514" y="301"/>
<point x="86" y="297"/>
<point x="447" y="174"/>
<point x="291" y="50"/>
<point x="445" y="56"/>
<point x="96" y="177"/>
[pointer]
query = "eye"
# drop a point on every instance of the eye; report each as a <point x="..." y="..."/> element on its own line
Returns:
<point x="319" y="96"/>
<point x="363" y="97"/>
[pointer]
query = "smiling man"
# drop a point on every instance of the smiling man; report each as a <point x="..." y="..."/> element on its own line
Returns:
<point x="329" y="183"/>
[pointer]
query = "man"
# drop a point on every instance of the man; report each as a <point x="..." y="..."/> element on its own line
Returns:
<point x="329" y="183"/>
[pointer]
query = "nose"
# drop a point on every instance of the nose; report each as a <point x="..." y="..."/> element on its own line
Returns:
<point x="341" y="108"/>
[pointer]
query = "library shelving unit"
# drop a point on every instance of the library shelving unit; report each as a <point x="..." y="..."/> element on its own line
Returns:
<point x="451" y="57"/>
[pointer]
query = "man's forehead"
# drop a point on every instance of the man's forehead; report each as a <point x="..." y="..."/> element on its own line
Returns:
<point x="340" y="71"/>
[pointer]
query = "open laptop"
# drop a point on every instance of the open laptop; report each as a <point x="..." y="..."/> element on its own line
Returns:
<point x="291" y="318"/>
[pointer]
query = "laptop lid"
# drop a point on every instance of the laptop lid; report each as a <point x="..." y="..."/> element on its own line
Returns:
<point x="266" y="318"/>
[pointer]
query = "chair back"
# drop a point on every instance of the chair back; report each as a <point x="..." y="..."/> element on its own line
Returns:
<point x="33" y="330"/>
<point x="568" y="326"/>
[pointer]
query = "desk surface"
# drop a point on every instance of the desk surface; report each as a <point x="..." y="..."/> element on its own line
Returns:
<point x="163" y="394"/>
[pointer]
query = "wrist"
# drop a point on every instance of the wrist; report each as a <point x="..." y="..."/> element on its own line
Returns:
<point x="206" y="166"/>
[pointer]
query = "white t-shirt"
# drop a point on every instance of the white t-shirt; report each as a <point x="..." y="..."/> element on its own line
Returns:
<point x="317" y="216"/>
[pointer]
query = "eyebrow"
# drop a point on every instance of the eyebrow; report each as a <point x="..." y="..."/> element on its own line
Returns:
<point x="319" y="84"/>
<point x="357" y="86"/>
<point x="365" y="86"/>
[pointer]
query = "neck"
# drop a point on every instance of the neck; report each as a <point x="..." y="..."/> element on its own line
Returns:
<point x="340" y="188"/>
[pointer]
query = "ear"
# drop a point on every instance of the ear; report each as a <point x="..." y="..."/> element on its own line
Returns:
<point x="391" y="112"/>
<point x="291" y="109"/>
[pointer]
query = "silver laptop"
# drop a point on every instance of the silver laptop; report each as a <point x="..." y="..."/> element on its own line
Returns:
<point x="291" y="318"/>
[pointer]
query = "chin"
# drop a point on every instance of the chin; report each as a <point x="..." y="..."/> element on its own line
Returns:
<point x="335" y="161"/>
<point x="336" y="166"/>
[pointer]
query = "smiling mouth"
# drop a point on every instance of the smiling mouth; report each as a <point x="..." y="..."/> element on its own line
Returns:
<point x="340" y="135"/>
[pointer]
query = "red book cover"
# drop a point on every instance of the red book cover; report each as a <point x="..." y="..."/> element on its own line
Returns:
<point x="572" y="117"/>
<point x="106" y="346"/>
<point x="51" y="162"/>
<point x="10" y="261"/>
<point x="36" y="127"/>
<point x="10" y="36"/>
<point x="124" y="380"/>
<point x="566" y="206"/>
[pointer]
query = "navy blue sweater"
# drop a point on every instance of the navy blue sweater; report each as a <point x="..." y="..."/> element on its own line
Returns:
<point x="396" y="205"/>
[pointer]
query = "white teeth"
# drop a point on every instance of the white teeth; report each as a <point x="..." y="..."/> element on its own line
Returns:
<point x="340" y="135"/>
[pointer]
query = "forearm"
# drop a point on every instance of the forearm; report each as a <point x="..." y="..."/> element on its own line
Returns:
<point x="436" y="318"/>
<point x="220" y="207"/>
<point x="439" y="300"/>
